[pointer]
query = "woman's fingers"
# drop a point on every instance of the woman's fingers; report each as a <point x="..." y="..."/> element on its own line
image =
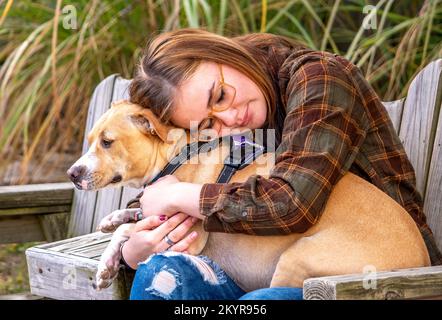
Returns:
<point x="184" y="244"/>
<point x="177" y="234"/>
<point x="169" y="225"/>
<point x="150" y="222"/>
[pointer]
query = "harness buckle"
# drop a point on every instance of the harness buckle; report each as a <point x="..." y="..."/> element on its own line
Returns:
<point x="243" y="151"/>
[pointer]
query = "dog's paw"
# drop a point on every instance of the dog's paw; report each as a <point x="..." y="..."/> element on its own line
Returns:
<point x="107" y="272"/>
<point x="112" y="221"/>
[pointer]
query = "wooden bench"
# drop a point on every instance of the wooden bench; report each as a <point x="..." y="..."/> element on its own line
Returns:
<point x="66" y="269"/>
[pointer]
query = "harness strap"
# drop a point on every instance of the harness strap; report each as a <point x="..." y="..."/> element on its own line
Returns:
<point x="187" y="152"/>
<point x="242" y="153"/>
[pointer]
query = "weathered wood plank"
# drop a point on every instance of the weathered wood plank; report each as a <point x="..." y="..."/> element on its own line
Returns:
<point x="433" y="196"/>
<point x="395" y="109"/>
<point x="398" y="284"/>
<point x="128" y="194"/>
<point x="39" y="227"/>
<point x="108" y="200"/>
<point x="64" y="245"/>
<point x="21" y="296"/>
<point x="65" y="276"/>
<point x="54" y="226"/>
<point x="34" y="210"/>
<point x="36" y="195"/>
<point x="419" y="120"/>
<point x="20" y="229"/>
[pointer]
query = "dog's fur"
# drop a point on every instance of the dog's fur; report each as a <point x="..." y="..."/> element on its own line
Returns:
<point x="361" y="225"/>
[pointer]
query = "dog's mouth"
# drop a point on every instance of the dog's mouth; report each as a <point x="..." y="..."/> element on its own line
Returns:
<point x="117" y="178"/>
<point x="78" y="185"/>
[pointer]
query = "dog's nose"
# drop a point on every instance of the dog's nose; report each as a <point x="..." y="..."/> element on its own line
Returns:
<point x="76" y="172"/>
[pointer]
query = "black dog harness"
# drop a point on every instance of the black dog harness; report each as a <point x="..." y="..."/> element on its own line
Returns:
<point x="243" y="151"/>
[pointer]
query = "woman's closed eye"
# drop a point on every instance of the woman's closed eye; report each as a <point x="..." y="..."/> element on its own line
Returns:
<point x="221" y="97"/>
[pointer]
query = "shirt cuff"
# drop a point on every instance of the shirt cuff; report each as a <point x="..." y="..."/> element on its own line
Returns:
<point x="211" y="198"/>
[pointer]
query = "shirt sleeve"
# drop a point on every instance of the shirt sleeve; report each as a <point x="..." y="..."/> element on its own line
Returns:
<point x="326" y="123"/>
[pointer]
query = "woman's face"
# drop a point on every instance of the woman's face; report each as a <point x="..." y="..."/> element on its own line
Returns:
<point x="248" y="109"/>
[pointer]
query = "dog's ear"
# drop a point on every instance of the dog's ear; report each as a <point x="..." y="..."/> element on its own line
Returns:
<point x="148" y="123"/>
<point x="121" y="102"/>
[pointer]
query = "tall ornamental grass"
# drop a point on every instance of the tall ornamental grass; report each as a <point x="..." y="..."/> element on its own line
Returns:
<point x="48" y="71"/>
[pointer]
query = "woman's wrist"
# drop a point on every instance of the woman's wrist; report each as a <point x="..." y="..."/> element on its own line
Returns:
<point x="122" y="256"/>
<point x="186" y="198"/>
<point x="126" y="256"/>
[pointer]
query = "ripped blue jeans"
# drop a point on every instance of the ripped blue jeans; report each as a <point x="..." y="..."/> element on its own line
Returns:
<point x="177" y="276"/>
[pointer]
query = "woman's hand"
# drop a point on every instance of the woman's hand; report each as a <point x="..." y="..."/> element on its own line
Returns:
<point x="168" y="196"/>
<point x="149" y="234"/>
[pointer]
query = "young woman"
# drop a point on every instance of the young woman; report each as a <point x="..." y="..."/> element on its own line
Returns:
<point x="328" y="120"/>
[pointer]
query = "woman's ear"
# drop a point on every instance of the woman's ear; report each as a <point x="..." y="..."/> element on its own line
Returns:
<point x="149" y="124"/>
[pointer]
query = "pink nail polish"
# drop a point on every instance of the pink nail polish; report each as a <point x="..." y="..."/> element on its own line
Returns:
<point x="193" y="235"/>
<point x="163" y="217"/>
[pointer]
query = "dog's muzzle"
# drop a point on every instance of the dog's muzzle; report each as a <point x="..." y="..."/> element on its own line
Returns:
<point x="75" y="173"/>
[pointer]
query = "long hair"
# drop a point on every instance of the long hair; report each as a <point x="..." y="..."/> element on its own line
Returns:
<point x="172" y="57"/>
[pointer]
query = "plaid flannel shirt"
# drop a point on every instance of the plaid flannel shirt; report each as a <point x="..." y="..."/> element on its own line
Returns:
<point x="335" y="123"/>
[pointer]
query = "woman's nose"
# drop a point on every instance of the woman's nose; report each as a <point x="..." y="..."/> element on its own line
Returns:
<point x="228" y="117"/>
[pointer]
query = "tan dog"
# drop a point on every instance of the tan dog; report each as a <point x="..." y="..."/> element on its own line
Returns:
<point x="360" y="227"/>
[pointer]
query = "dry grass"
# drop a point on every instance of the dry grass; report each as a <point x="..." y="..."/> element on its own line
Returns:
<point x="48" y="73"/>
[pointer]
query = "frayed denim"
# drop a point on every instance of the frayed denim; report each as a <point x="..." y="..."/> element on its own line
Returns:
<point x="177" y="276"/>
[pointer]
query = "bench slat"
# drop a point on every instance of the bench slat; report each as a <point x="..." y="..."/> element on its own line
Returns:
<point x="21" y="229"/>
<point x="36" y="195"/>
<point x="398" y="284"/>
<point x="419" y="121"/>
<point x="433" y="197"/>
<point x="394" y="109"/>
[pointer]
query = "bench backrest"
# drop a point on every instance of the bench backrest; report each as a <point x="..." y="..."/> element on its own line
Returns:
<point x="417" y="118"/>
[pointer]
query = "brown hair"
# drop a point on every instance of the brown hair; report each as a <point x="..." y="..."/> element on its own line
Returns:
<point x="172" y="57"/>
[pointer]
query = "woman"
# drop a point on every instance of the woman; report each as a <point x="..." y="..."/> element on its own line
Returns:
<point x="327" y="119"/>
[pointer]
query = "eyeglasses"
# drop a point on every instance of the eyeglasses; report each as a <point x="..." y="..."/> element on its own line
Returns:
<point x="222" y="99"/>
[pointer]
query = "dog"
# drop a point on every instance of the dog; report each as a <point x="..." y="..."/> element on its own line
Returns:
<point x="360" y="226"/>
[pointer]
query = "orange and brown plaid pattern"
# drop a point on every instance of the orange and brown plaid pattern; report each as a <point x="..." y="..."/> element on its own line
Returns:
<point x="335" y="123"/>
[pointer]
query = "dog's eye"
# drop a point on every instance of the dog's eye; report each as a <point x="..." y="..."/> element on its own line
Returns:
<point x="106" y="143"/>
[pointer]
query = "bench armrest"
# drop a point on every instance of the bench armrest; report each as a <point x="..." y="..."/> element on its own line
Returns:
<point x="414" y="283"/>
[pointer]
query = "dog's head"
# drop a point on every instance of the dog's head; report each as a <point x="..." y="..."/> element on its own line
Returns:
<point x="123" y="148"/>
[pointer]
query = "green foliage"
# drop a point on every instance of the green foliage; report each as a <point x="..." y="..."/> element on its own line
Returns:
<point x="48" y="72"/>
<point x="13" y="269"/>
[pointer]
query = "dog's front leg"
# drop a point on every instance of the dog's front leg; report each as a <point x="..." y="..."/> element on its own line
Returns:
<point x="115" y="219"/>
<point x="109" y="264"/>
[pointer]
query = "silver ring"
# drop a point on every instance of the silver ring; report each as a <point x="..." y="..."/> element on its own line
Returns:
<point x="139" y="215"/>
<point x="168" y="241"/>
